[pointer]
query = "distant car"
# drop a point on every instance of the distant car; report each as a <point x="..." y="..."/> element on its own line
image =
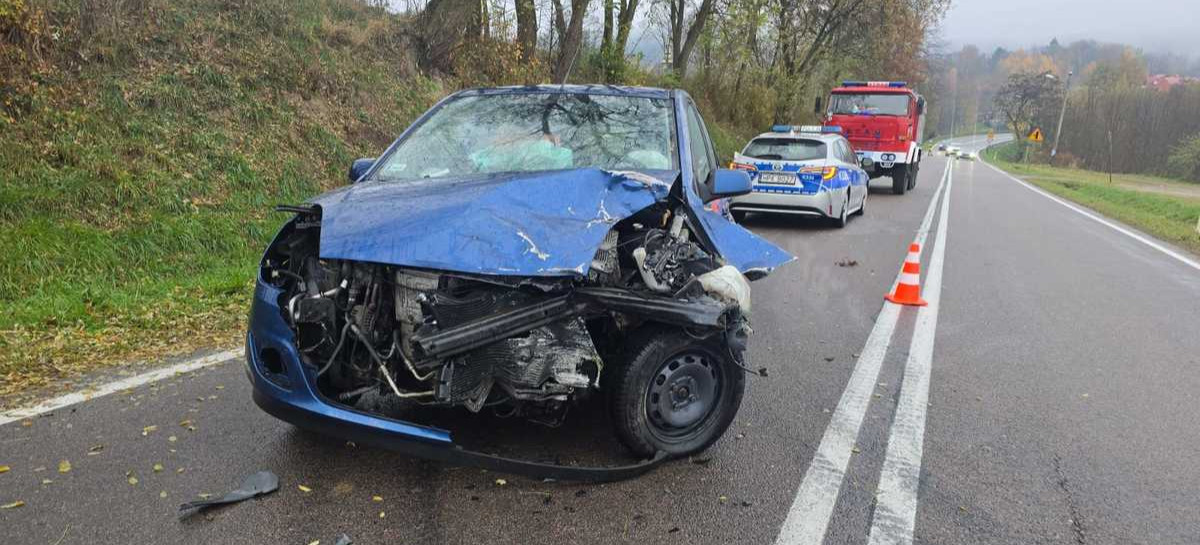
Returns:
<point x="968" y="155"/>
<point x="952" y="151"/>
<point x="941" y="147"/>
<point x="804" y="171"/>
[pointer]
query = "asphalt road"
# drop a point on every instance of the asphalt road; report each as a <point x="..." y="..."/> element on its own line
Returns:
<point x="1056" y="403"/>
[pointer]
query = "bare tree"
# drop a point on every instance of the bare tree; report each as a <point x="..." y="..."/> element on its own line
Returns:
<point x="1023" y="97"/>
<point x="684" y="33"/>
<point x="572" y="40"/>
<point x="527" y="28"/>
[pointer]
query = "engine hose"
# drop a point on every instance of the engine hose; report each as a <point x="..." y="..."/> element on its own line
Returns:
<point x="383" y="368"/>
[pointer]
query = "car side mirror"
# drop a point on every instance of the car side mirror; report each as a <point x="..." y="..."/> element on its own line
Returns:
<point x="360" y="167"/>
<point x="729" y="183"/>
<point x="866" y="162"/>
<point x="921" y="106"/>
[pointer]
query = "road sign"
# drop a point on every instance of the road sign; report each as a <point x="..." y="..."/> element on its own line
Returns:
<point x="1036" y="135"/>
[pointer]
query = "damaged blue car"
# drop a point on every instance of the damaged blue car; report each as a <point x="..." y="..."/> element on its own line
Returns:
<point x="517" y="250"/>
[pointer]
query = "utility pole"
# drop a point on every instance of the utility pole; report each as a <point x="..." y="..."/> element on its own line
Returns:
<point x="1061" y="114"/>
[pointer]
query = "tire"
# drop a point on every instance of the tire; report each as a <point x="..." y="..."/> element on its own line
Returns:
<point x="862" y="207"/>
<point x="844" y="218"/>
<point x="739" y="216"/>
<point x="665" y="361"/>
<point x="899" y="179"/>
<point x="912" y="175"/>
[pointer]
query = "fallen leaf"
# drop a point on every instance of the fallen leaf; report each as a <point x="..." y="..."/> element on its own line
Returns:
<point x="47" y="481"/>
<point x="158" y="468"/>
<point x="382" y="514"/>
<point x="303" y="488"/>
<point x="64" y="466"/>
<point x="133" y="480"/>
<point x="204" y="496"/>
<point x="855" y="450"/>
<point x="723" y="499"/>
<point x="179" y="470"/>
<point x="501" y="482"/>
<point x="172" y="439"/>
<point x="148" y="429"/>
<point x="376" y="498"/>
<point x="162" y="494"/>
<point x="26" y="423"/>
<point x="315" y="542"/>
<point x="185" y="423"/>
<point x="13" y="505"/>
<point x="4" y="469"/>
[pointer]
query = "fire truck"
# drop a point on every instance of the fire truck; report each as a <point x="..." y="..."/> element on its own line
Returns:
<point x="883" y="121"/>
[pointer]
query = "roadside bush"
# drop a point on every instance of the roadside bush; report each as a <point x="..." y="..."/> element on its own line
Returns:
<point x="1184" y="161"/>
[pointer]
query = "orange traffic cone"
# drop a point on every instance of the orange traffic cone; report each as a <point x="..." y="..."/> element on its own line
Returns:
<point x="908" y="290"/>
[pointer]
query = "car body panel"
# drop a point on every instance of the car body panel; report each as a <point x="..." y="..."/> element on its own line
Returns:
<point x="546" y="223"/>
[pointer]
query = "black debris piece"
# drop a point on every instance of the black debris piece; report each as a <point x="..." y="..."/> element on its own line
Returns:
<point x="263" y="482"/>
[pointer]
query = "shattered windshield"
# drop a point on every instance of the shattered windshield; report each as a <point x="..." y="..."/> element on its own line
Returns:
<point x="530" y="132"/>
<point x="865" y="104"/>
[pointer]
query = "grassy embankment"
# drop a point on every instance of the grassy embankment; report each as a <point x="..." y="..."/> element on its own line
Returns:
<point x="1165" y="208"/>
<point x="140" y="160"/>
<point x="136" y="185"/>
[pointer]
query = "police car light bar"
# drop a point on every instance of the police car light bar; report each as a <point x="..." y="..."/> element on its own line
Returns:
<point x="810" y="129"/>
<point x="895" y="84"/>
<point x="831" y="129"/>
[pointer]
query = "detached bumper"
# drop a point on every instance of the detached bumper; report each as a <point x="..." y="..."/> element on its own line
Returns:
<point x="286" y="389"/>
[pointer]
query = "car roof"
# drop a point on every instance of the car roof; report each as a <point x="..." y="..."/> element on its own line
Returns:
<point x="615" y="90"/>
<point x="824" y="137"/>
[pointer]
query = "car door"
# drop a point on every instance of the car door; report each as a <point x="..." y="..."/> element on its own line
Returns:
<point x="858" y="176"/>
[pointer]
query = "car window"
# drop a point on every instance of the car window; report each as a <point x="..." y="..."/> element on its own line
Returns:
<point x="785" y="149"/>
<point x="895" y="104"/>
<point x="703" y="159"/>
<point x="527" y="132"/>
<point x="847" y="154"/>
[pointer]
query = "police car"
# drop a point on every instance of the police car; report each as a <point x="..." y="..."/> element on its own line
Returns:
<point x="808" y="170"/>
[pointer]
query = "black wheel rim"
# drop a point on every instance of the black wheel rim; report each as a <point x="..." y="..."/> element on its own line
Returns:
<point x="683" y="395"/>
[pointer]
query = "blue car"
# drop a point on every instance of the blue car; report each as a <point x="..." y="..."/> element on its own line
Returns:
<point x="515" y="250"/>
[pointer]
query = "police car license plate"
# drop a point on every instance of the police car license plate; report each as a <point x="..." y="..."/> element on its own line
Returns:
<point x="777" y="178"/>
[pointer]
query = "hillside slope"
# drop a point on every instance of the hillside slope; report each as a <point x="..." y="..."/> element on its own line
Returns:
<point x="142" y="146"/>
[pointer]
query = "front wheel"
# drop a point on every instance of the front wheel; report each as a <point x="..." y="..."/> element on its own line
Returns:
<point x="900" y="179"/>
<point x="912" y="175"/>
<point x="674" y="393"/>
<point x="739" y="216"/>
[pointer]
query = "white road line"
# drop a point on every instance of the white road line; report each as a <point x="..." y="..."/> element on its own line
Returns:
<point x="808" y="518"/>
<point x="896" y="500"/>
<point x="1099" y="219"/>
<point x="111" y="387"/>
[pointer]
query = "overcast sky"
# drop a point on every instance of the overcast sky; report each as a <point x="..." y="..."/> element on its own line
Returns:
<point x="1153" y="25"/>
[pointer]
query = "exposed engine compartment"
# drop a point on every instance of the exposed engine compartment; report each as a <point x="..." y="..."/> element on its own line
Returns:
<point x="524" y="346"/>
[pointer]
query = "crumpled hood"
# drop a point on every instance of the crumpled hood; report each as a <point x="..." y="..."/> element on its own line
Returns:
<point x="523" y="224"/>
<point x="528" y="224"/>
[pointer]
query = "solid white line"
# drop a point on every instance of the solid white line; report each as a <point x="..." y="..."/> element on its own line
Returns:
<point x="116" y="386"/>
<point x="808" y="518"/>
<point x="896" y="500"/>
<point x="1131" y="234"/>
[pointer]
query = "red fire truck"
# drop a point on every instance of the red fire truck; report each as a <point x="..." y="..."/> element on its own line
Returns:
<point x="883" y="121"/>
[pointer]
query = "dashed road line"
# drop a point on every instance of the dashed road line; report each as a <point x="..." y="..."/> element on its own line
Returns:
<point x="808" y="518"/>
<point x="116" y="386"/>
<point x="896" y="500"/>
